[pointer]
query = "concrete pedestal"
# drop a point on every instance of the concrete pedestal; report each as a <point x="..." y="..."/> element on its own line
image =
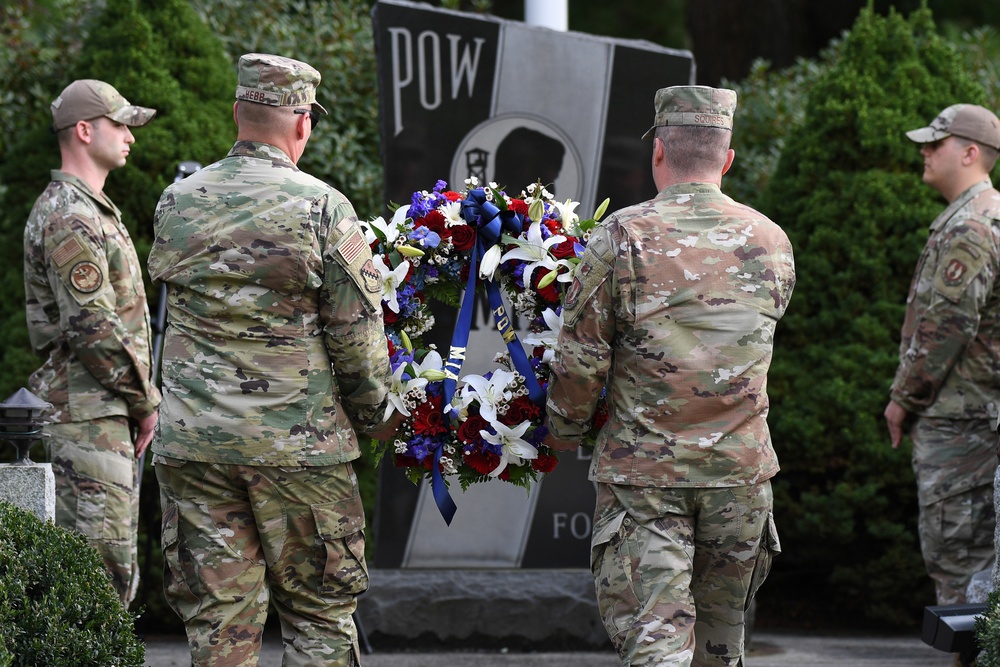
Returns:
<point x="31" y="487"/>
<point x="483" y="608"/>
<point x="996" y="534"/>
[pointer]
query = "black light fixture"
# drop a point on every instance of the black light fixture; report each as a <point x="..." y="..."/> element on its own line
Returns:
<point x="951" y="628"/>
<point x="21" y="422"/>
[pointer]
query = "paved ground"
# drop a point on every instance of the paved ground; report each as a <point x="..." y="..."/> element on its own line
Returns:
<point x="770" y="649"/>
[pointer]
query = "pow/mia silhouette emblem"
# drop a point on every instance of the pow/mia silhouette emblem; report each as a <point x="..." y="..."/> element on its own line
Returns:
<point x="954" y="272"/>
<point x="371" y="277"/>
<point x="86" y="277"/>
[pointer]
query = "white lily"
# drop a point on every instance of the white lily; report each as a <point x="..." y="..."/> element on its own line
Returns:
<point x="400" y="388"/>
<point x="489" y="263"/>
<point x="390" y="230"/>
<point x="534" y="250"/>
<point x="514" y="449"/>
<point x="432" y="362"/>
<point x="491" y="393"/>
<point x="547" y="339"/>
<point x="391" y="280"/>
<point x="567" y="214"/>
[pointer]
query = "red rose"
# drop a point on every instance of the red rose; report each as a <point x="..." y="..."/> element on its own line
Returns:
<point x="435" y="222"/>
<point x="463" y="236"/>
<point x="518" y="206"/>
<point x="554" y="226"/>
<point x="388" y="316"/>
<point x="428" y="418"/>
<point x="451" y="195"/>
<point x="549" y="293"/>
<point x="601" y="415"/>
<point x="482" y="462"/>
<point x="544" y="463"/>
<point x="390" y="346"/>
<point x="521" y="409"/>
<point x="468" y="431"/>
<point x="403" y="461"/>
<point x="566" y="249"/>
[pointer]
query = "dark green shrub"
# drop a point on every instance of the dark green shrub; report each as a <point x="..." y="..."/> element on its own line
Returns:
<point x="57" y="605"/>
<point x="848" y="192"/>
<point x="988" y="633"/>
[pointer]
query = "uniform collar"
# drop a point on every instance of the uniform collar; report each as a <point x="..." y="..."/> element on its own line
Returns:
<point x="689" y="189"/>
<point x="260" y="150"/>
<point x="959" y="202"/>
<point x="98" y="198"/>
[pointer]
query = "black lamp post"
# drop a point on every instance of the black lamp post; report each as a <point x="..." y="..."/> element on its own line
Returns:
<point x="21" y="422"/>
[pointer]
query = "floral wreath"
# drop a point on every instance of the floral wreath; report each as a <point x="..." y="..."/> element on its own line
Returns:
<point x="475" y="427"/>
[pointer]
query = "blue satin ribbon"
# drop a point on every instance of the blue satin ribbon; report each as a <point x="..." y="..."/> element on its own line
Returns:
<point x="490" y="224"/>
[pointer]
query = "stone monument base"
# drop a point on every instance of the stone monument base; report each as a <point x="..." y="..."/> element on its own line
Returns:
<point x="548" y="610"/>
<point x="31" y="487"/>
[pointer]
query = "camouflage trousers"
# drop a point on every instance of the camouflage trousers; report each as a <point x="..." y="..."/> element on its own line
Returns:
<point x="676" y="569"/>
<point x="237" y="537"/>
<point x="954" y="461"/>
<point x="96" y="476"/>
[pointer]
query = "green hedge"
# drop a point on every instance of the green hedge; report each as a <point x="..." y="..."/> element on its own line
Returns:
<point x="57" y="605"/>
<point x="848" y="192"/>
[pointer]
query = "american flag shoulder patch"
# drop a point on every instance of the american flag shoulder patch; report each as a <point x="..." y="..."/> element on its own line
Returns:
<point x="66" y="251"/>
<point x="352" y="246"/>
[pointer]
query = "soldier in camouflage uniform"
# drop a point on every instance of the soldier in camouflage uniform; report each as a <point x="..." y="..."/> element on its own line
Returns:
<point x="274" y="360"/>
<point x="87" y="317"/>
<point x="673" y="309"/>
<point x="946" y="390"/>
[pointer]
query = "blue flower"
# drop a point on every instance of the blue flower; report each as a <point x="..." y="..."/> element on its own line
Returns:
<point x="427" y="237"/>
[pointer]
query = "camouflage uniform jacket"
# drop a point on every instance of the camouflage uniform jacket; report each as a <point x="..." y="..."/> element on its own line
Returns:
<point x="949" y="354"/>
<point x="86" y="306"/>
<point x="274" y="351"/>
<point x="674" y="305"/>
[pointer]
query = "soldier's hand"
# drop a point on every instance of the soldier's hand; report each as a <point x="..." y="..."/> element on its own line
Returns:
<point x="895" y="417"/>
<point x="388" y="429"/>
<point x="556" y="444"/>
<point x="144" y="432"/>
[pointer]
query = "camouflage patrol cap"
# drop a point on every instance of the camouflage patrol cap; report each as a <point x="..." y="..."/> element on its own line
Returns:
<point x="693" y="105"/>
<point x="277" y="81"/>
<point x="86" y="99"/>
<point x="967" y="121"/>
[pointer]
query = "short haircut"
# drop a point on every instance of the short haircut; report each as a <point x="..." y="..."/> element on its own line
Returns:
<point x="263" y="116"/>
<point x="694" y="151"/>
<point x="987" y="154"/>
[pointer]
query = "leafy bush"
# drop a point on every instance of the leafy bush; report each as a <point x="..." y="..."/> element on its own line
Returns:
<point x="848" y="192"/>
<point x="57" y="605"/>
<point x="988" y="633"/>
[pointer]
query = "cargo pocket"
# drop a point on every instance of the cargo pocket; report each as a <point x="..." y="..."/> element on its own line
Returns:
<point x="341" y="527"/>
<point x="176" y="586"/>
<point x="769" y="548"/>
<point x="103" y="498"/>
<point x="612" y="569"/>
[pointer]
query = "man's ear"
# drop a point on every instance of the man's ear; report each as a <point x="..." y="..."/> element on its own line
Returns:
<point x="730" y="156"/>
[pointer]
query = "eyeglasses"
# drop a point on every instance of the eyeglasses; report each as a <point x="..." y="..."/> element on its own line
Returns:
<point x="313" y="117"/>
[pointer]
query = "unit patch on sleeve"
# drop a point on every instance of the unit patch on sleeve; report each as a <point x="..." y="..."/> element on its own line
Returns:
<point x="371" y="277"/>
<point x="86" y="277"/>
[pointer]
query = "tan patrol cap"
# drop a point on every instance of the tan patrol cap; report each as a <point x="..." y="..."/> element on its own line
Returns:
<point x="86" y="99"/>
<point x="967" y="121"/>
<point x="693" y="105"/>
<point x="277" y="81"/>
